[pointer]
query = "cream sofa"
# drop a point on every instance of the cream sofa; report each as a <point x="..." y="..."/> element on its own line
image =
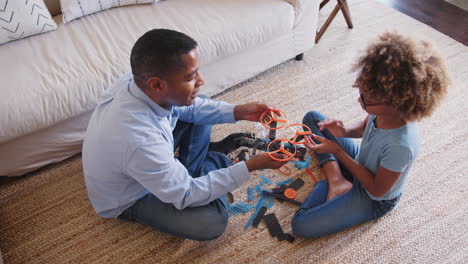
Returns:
<point x="50" y="82"/>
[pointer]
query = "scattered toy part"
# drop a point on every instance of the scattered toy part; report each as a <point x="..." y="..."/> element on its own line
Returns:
<point x="230" y="197"/>
<point x="299" y="135"/>
<point x="259" y="216"/>
<point x="250" y="194"/>
<point x="290" y="193"/>
<point x="296" y="184"/>
<point x="285" y="170"/>
<point x="311" y="174"/>
<point x="281" y="197"/>
<point x="273" y="115"/>
<point x="300" y="165"/>
<point x="281" y="149"/>
<point x="275" y="229"/>
<point x="273" y="225"/>
<point x="284" y="182"/>
<point x="286" y="237"/>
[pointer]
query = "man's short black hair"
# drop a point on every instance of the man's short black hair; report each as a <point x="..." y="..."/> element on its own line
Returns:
<point x="158" y="53"/>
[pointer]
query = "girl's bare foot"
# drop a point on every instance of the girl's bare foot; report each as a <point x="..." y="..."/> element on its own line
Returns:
<point x="338" y="187"/>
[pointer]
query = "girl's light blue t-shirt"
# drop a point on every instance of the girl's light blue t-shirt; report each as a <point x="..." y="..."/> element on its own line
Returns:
<point x="394" y="149"/>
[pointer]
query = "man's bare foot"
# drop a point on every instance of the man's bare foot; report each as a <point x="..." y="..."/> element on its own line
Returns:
<point x="338" y="187"/>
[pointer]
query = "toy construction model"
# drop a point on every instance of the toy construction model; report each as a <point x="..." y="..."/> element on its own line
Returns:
<point x="274" y="120"/>
<point x="288" y="143"/>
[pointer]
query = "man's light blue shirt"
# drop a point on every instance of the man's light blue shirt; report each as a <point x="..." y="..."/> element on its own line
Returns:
<point x="128" y="151"/>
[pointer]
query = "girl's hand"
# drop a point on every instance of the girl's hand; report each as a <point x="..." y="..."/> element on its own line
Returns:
<point x="336" y="127"/>
<point x="325" y="146"/>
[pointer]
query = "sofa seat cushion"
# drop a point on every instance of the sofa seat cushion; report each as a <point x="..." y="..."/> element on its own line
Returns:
<point x="52" y="77"/>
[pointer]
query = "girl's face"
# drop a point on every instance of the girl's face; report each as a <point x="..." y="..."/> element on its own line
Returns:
<point x="374" y="106"/>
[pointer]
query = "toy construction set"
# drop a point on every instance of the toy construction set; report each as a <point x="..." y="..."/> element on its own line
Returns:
<point x="289" y="143"/>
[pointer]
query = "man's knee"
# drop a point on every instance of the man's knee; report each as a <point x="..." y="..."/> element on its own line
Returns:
<point x="212" y="227"/>
<point x="311" y="116"/>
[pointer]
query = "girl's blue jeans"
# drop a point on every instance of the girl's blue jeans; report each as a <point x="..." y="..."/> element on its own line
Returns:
<point x="317" y="216"/>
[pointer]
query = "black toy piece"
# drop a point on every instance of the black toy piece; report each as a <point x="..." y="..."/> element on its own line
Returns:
<point x="296" y="184"/>
<point x="259" y="216"/>
<point x="282" y="197"/>
<point x="275" y="229"/>
<point x="230" y="197"/>
<point x="273" y="225"/>
<point x="272" y="135"/>
<point x="242" y="155"/>
<point x="287" y="237"/>
<point x="280" y="191"/>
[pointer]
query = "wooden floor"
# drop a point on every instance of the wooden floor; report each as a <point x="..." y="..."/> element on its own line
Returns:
<point x="440" y="15"/>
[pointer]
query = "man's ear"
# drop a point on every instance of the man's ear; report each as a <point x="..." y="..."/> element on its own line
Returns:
<point x="157" y="85"/>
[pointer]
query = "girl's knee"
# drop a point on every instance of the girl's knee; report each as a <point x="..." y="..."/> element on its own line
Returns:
<point x="313" y="115"/>
<point x="305" y="229"/>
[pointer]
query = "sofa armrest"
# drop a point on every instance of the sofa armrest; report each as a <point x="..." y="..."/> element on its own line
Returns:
<point x="303" y="6"/>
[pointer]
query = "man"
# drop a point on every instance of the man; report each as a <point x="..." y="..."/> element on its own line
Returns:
<point x="130" y="168"/>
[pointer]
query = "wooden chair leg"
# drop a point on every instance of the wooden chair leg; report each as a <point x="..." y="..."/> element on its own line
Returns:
<point x="328" y="22"/>
<point x="346" y="13"/>
<point x="341" y="5"/>
<point x="323" y="3"/>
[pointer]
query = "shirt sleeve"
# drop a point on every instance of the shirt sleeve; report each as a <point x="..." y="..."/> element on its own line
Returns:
<point x="155" y="168"/>
<point x="206" y="111"/>
<point x="396" y="158"/>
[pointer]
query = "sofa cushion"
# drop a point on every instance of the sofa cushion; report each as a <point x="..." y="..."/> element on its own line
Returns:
<point x="59" y="75"/>
<point x="20" y="19"/>
<point x="73" y="9"/>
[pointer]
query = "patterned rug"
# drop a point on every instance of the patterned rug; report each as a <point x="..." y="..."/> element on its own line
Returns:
<point x="47" y="218"/>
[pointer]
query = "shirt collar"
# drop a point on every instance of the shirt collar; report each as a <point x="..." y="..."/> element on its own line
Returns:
<point x="140" y="95"/>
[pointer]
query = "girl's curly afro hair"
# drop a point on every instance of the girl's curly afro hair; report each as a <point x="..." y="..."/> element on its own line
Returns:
<point x="408" y="75"/>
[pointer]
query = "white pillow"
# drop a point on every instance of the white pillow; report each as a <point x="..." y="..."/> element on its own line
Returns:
<point x="72" y="9"/>
<point x="23" y="18"/>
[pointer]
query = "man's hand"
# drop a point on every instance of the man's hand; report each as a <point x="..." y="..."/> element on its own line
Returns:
<point x="250" y="111"/>
<point x="325" y="146"/>
<point x="264" y="161"/>
<point x="336" y="127"/>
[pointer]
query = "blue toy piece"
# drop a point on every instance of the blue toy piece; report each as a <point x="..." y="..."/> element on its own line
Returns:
<point x="287" y="181"/>
<point x="300" y="165"/>
<point x="243" y="208"/>
<point x="250" y="194"/>
<point x="265" y="179"/>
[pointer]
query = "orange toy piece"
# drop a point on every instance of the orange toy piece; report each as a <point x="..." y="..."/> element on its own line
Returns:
<point x="290" y="193"/>
<point x="273" y="115"/>
<point x="307" y="131"/>
<point x="311" y="174"/>
<point x="287" y="170"/>
<point x="281" y="150"/>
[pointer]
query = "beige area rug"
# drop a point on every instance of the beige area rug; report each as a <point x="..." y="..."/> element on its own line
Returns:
<point x="47" y="218"/>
